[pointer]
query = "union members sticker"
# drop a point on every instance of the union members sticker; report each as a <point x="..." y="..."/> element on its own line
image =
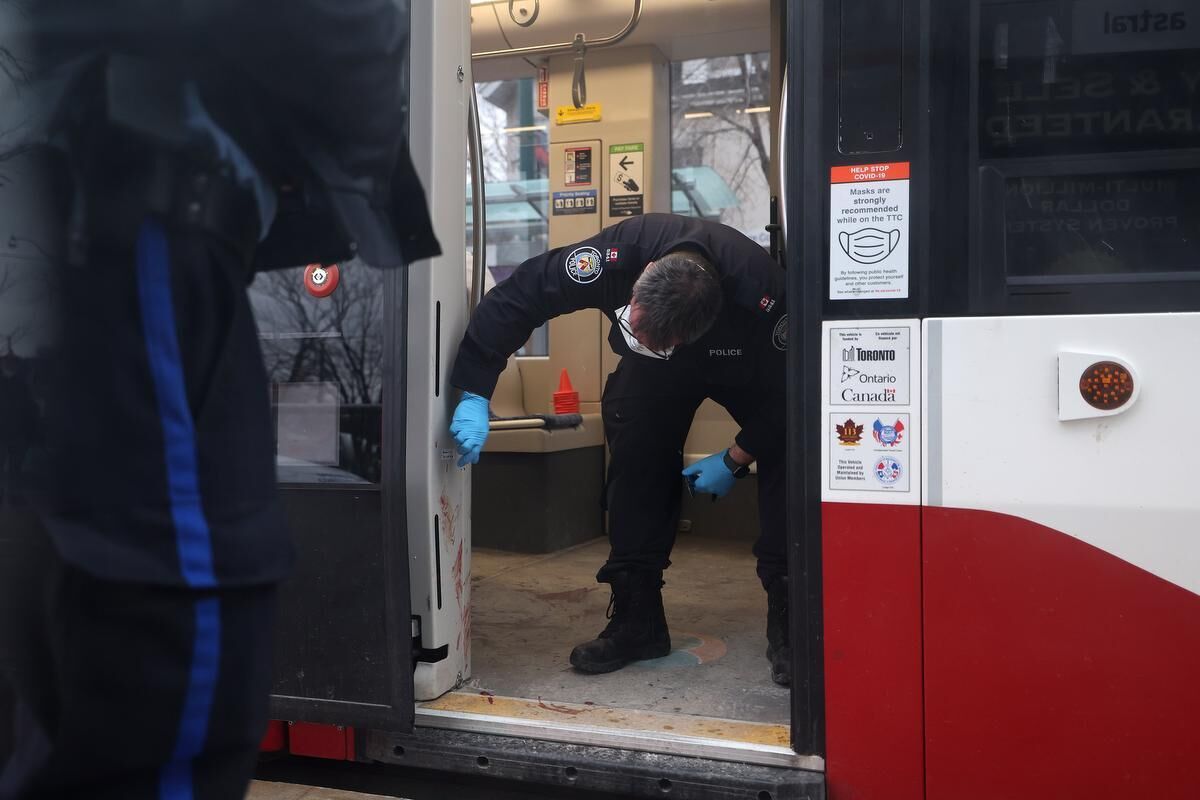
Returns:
<point x="869" y="457"/>
<point x="584" y="264"/>
<point x="888" y="470"/>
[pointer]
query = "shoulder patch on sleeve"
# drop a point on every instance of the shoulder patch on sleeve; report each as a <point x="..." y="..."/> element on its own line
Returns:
<point x="584" y="264"/>
<point x="779" y="336"/>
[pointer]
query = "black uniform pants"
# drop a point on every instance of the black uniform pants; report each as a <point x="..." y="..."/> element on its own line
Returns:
<point x="646" y="422"/>
<point x="138" y="691"/>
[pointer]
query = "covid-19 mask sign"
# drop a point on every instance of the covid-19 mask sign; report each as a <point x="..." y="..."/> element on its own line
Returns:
<point x="868" y="232"/>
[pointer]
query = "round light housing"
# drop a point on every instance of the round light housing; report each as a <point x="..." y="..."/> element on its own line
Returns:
<point x="1106" y="385"/>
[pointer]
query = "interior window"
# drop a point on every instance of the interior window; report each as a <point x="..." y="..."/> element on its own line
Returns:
<point x="721" y="141"/>
<point x="324" y="358"/>
<point x="516" y="166"/>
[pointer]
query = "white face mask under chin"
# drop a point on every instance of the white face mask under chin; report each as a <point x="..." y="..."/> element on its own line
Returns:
<point x="631" y="340"/>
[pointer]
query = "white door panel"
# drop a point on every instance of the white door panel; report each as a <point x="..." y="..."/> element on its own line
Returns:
<point x="439" y="564"/>
<point x="1126" y="483"/>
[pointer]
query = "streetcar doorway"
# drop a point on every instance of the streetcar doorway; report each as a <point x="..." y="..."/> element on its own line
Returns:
<point x="676" y="119"/>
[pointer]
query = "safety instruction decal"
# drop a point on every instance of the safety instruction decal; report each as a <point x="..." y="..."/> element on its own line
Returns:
<point x="575" y="202"/>
<point x="868" y="232"/>
<point x="543" y="89"/>
<point x="569" y="115"/>
<point x="627" y="180"/>
<point x="577" y="166"/>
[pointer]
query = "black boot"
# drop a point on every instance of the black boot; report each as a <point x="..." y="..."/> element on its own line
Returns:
<point x="637" y="627"/>
<point x="779" y="648"/>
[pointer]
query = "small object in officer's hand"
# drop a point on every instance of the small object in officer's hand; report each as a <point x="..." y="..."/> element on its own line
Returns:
<point x="690" y="482"/>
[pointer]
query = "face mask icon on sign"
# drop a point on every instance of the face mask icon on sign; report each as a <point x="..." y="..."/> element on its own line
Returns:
<point x="869" y="245"/>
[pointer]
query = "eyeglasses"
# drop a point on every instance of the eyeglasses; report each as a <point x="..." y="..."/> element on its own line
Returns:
<point x="632" y="341"/>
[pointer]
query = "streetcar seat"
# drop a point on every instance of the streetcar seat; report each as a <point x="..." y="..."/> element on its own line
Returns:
<point x="508" y="403"/>
<point x="536" y="489"/>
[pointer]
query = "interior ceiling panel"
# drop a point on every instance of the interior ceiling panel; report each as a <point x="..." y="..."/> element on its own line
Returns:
<point x="681" y="29"/>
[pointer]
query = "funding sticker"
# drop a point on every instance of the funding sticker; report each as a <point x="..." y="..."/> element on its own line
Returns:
<point x="868" y="232"/>
<point x="871" y="389"/>
<point x="584" y="264"/>
<point x="869" y="366"/>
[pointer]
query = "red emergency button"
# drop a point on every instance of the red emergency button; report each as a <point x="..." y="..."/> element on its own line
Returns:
<point x="1106" y="385"/>
<point x="321" y="279"/>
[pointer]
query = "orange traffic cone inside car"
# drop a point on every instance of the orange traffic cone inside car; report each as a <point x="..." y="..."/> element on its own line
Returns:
<point x="566" y="399"/>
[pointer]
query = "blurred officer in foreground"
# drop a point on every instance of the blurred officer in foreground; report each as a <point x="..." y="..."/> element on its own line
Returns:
<point x="192" y="143"/>
<point x="697" y="311"/>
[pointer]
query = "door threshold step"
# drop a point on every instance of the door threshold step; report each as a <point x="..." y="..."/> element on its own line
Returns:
<point x="604" y="726"/>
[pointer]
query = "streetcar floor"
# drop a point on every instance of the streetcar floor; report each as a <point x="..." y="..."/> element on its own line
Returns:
<point x="530" y="610"/>
<point x="270" y="790"/>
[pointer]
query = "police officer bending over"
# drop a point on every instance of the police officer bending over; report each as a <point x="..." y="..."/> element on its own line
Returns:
<point x="697" y="311"/>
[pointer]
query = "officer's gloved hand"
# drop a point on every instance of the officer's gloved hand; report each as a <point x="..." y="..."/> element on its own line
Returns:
<point x="710" y="476"/>
<point x="470" y="427"/>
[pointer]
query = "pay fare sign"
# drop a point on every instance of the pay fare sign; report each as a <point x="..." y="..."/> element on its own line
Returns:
<point x="868" y="231"/>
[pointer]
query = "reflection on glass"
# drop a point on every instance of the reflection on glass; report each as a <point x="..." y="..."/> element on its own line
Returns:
<point x="324" y="358"/>
<point x="721" y="141"/>
<point x="1084" y="77"/>
<point x="1103" y="224"/>
<point x="29" y="276"/>
<point x="515" y="138"/>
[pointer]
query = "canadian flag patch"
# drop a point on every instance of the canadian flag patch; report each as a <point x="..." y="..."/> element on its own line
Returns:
<point x="767" y="303"/>
<point x="612" y="254"/>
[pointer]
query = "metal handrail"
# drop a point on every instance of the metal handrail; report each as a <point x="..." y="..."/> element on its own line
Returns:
<point x="567" y="47"/>
<point x="478" y="201"/>
<point x="783" y="170"/>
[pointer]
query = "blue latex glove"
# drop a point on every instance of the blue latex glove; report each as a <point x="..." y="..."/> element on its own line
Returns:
<point x="710" y="476"/>
<point x="470" y="427"/>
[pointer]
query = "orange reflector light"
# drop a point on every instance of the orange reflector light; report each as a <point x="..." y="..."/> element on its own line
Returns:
<point x="1106" y="385"/>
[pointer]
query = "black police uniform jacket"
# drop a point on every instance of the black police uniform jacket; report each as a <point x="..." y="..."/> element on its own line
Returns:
<point x="743" y="350"/>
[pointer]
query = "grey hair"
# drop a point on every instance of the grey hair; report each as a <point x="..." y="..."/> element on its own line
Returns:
<point x="679" y="297"/>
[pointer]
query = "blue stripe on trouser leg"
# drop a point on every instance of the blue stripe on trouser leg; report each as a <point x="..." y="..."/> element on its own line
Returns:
<point x="179" y="432"/>
<point x="175" y="782"/>
<point x="193" y="540"/>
